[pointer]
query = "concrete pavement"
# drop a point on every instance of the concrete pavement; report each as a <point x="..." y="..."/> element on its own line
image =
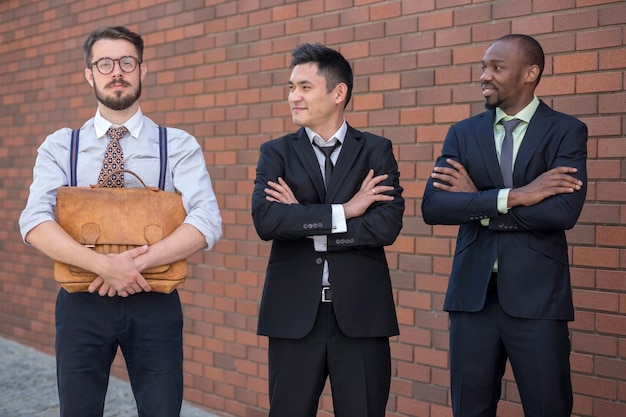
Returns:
<point x="28" y="387"/>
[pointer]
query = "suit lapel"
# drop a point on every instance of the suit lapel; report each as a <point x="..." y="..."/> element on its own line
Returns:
<point x="350" y="150"/>
<point x="304" y="150"/>
<point x="535" y="133"/>
<point x="487" y="147"/>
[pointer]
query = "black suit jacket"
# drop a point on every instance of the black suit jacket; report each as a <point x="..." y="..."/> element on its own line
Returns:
<point x="529" y="242"/>
<point x="361" y="286"/>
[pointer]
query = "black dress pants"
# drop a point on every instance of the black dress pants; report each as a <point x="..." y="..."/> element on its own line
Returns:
<point x="538" y="350"/>
<point x="148" y="329"/>
<point x="359" y="370"/>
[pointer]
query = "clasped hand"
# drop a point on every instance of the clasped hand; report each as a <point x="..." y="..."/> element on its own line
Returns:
<point x="121" y="276"/>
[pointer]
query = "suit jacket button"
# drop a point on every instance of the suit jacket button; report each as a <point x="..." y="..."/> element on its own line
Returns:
<point x="319" y="261"/>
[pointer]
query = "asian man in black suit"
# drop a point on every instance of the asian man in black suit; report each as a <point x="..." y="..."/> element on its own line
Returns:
<point x="509" y="294"/>
<point x="327" y="304"/>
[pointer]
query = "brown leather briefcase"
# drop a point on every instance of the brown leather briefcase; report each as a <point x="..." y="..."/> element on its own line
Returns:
<point x="113" y="220"/>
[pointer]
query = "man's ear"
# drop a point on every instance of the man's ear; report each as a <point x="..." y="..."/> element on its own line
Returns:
<point x="144" y="70"/>
<point x="341" y="92"/>
<point x="89" y="76"/>
<point x="532" y="74"/>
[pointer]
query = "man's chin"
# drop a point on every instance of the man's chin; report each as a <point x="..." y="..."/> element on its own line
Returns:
<point x="118" y="105"/>
<point x="119" y="100"/>
<point x="297" y="121"/>
<point x="490" y="105"/>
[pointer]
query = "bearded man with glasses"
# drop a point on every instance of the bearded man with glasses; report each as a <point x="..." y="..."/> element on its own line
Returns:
<point x="119" y="309"/>
<point x="106" y="66"/>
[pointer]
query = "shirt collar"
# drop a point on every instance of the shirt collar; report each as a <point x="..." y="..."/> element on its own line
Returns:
<point x="134" y="124"/>
<point x="524" y="115"/>
<point x="339" y="135"/>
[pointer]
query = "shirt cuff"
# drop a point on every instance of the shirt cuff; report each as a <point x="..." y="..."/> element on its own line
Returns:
<point x="339" y="225"/>
<point x="339" y="219"/>
<point x="320" y="242"/>
<point x="503" y="199"/>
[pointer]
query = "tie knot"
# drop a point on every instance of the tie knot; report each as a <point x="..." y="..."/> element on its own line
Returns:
<point x="327" y="150"/>
<point x="510" y="125"/>
<point x="117" y="133"/>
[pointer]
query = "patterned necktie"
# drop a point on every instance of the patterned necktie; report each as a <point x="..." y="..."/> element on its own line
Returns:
<point x="506" y="154"/>
<point x="328" y="164"/>
<point x="113" y="159"/>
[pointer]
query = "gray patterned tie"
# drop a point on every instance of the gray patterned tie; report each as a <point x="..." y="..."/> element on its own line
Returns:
<point x="113" y="159"/>
<point x="506" y="154"/>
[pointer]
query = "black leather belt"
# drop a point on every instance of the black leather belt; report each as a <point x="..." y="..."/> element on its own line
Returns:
<point x="326" y="295"/>
<point x="493" y="281"/>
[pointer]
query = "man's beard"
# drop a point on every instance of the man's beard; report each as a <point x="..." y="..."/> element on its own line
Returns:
<point x="490" y="106"/>
<point x="117" y="102"/>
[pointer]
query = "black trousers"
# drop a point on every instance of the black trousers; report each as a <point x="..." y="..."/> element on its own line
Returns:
<point x="148" y="329"/>
<point x="359" y="370"/>
<point x="538" y="351"/>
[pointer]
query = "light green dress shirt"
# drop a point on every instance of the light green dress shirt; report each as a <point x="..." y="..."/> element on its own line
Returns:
<point x="518" y="136"/>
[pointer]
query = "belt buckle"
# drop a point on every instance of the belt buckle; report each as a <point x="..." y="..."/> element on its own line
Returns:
<point x="326" y="295"/>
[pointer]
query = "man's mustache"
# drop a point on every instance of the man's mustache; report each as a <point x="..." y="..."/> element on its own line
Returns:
<point x="118" y="82"/>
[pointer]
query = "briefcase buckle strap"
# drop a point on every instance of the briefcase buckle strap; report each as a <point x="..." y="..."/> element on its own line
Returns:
<point x="326" y="298"/>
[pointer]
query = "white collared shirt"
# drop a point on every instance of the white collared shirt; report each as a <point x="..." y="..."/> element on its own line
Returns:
<point x="339" y="223"/>
<point x="186" y="170"/>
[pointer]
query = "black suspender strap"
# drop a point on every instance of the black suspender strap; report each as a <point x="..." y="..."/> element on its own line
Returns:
<point x="74" y="156"/>
<point x="162" y="156"/>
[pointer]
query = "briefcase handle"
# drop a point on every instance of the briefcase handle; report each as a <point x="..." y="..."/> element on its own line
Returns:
<point x="116" y="171"/>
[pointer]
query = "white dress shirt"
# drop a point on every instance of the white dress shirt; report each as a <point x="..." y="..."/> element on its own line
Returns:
<point x="339" y="224"/>
<point x="186" y="170"/>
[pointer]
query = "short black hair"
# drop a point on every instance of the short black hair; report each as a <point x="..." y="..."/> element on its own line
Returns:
<point x="330" y="63"/>
<point x="111" y="32"/>
<point x="531" y="50"/>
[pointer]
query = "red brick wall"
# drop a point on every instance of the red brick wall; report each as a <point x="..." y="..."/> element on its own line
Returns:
<point x="219" y="70"/>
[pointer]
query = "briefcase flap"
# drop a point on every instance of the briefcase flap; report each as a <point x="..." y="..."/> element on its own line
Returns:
<point x="118" y="216"/>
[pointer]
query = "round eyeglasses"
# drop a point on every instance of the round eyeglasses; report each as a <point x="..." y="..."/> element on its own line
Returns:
<point x="106" y="65"/>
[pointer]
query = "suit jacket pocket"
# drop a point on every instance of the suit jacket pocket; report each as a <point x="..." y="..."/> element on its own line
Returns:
<point x="467" y="235"/>
<point x="552" y="246"/>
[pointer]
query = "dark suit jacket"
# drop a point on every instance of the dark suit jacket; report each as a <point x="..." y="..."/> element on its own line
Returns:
<point x="361" y="286"/>
<point x="529" y="242"/>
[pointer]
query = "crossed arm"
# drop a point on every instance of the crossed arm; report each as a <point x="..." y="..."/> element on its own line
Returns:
<point x="552" y="182"/>
<point x="368" y="194"/>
